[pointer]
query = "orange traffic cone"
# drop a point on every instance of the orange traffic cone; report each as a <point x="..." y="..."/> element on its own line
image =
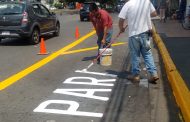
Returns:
<point x="42" y="48"/>
<point x="77" y="34"/>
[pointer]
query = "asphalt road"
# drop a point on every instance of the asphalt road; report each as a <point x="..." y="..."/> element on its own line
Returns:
<point x="55" y="88"/>
<point x="22" y="97"/>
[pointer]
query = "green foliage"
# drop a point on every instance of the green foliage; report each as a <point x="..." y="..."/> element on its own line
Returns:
<point x="58" y="5"/>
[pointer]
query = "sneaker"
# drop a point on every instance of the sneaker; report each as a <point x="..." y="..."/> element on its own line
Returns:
<point x="134" y="78"/>
<point x="153" y="79"/>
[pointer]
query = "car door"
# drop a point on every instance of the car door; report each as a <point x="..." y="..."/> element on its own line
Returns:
<point x="50" y="19"/>
<point x="39" y="17"/>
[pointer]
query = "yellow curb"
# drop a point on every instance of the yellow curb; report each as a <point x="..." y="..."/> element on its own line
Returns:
<point x="180" y="90"/>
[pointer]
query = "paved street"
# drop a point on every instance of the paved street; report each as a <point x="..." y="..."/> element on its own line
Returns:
<point x="56" y="88"/>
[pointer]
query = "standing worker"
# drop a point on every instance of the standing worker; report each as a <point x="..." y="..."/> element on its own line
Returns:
<point x="138" y="14"/>
<point x="102" y="23"/>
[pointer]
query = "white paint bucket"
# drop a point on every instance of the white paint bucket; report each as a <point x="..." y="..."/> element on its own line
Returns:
<point x="106" y="57"/>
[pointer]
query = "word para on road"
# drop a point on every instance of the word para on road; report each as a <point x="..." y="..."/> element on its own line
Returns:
<point x="83" y="93"/>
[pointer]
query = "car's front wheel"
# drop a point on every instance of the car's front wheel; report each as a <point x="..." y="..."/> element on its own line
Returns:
<point x="57" y="30"/>
<point x="35" y="36"/>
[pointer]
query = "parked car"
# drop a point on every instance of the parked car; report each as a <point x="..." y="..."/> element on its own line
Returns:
<point x="84" y="11"/>
<point x="71" y="5"/>
<point x="28" y="20"/>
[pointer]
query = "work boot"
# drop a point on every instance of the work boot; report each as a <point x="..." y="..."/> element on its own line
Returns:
<point x="153" y="79"/>
<point x="134" y="78"/>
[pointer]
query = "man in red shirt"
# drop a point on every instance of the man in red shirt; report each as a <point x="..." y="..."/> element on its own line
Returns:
<point x="102" y="23"/>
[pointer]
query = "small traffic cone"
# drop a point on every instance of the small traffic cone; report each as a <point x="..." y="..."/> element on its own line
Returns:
<point x="42" y="48"/>
<point x="77" y="34"/>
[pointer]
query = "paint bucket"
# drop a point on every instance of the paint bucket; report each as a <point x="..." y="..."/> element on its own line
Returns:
<point x="106" y="56"/>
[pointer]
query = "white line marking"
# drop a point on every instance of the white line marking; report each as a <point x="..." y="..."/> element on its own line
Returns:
<point x="89" y="81"/>
<point x="71" y="110"/>
<point x="89" y="93"/>
<point x="96" y="73"/>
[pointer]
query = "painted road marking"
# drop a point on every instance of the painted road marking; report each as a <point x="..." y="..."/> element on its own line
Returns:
<point x="88" y="49"/>
<point x="73" y="106"/>
<point x="72" y="110"/>
<point x="89" y="93"/>
<point x="96" y="73"/>
<point x="9" y="81"/>
<point x="94" y="81"/>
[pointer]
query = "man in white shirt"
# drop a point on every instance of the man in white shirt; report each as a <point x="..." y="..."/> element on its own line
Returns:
<point x="138" y="15"/>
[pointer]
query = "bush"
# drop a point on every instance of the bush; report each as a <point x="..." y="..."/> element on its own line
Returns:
<point x="58" y="5"/>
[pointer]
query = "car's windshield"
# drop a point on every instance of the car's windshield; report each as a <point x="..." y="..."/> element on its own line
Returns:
<point x="11" y="8"/>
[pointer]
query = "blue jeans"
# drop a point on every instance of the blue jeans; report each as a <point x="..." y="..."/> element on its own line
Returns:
<point x="108" y="38"/>
<point x="140" y="45"/>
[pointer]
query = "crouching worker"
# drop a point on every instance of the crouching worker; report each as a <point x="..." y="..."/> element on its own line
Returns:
<point x="102" y="23"/>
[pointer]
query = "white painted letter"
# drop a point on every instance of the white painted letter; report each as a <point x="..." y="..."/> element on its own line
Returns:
<point x="89" y="93"/>
<point x="93" y="81"/>
<point x="72" y="110"/>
